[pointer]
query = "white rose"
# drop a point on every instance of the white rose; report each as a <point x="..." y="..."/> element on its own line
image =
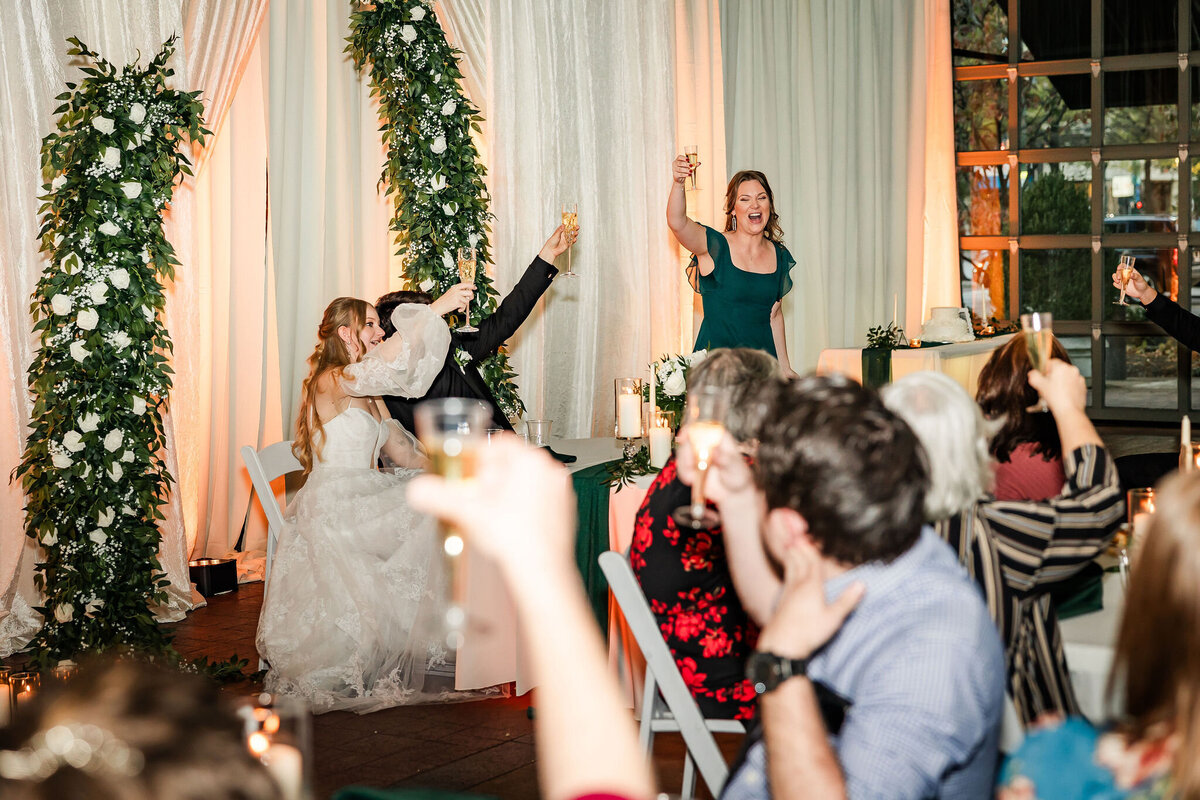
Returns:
<point x="50" y="539"/>
<point x="87" y="319"/>
<point x="73" y="441"/>
<point x="89" y="422"/>
<point x="87" y="470"/>
<point x="58" y="183"/>
<point x="426" y="285"/>
<point x="408" y="33"/>
<point x="438" y="183"/>
<point x="418" y="13"/>
<point x="103" y="124"/>
<point x="139" y="405"/>
<point x="61" y="460"/>
<point x="98" y="292"/>
<point x="110" y="228"/>
<point x="61" y="304"/>
<point x="148" y="313"/>
<point x="439" y="145"/>
<point x="696" y="357"/>
<point x="116" y="472"/>
<point x="98" y="536"/>
<point x="105" y="517"/>
<point x="675" y="385"/>
<point x="111" y="158"/>
<point x="473" y="239"/>
<point x="94" y="606"/>
<point x="113" y="440"/>
<point x="127" y="511"/>
<point x="448" y="108"/>
<point x="132" y="145"/>
<point x="131" y="189"/>
<point x="137" y="113"/>
<point x="79" y="352"/>
<point x="66" y="612"/>
<point x="145" y="256"/>
<point x="120" y="340"/>
<point x="119" y="278"/>
<point x="449" y="209"/>
<point x="447" y="260"/>
<point x="127" y="456"/>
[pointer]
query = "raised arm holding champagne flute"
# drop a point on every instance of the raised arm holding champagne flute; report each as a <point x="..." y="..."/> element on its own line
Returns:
<point x="1160" y="309"/>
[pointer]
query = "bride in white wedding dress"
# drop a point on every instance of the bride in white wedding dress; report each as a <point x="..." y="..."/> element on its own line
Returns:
<point x="349" y="616"/>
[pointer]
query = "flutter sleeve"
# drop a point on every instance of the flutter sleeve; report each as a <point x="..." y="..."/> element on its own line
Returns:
<point x="786" y="262"/>
<point x="408" y="361"/>
<point x="718" y="251"/>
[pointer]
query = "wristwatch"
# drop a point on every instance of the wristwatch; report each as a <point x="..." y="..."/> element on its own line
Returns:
<point x="767" y="670"/>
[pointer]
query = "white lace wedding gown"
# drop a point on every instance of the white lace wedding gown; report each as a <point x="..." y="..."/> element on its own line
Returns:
<point x="350" y="616"/>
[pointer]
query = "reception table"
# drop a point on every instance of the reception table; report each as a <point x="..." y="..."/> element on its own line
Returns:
<point x="1089" y="641"/>
<point x="962" y="361"/>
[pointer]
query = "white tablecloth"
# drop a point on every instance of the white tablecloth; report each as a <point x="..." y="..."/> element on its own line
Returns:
<point x="961" y="361"/>
<point x="1089" y="642"/>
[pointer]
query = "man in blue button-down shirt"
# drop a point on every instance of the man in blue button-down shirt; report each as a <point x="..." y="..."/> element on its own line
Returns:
<point x="871" y="609"/>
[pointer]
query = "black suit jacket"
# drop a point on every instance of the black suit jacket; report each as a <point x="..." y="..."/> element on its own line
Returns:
<point x="465" y="381"/>
<point x="1175" y="320"/>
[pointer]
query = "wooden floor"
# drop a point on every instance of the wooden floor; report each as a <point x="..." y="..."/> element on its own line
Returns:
<point x="483" y="747"/>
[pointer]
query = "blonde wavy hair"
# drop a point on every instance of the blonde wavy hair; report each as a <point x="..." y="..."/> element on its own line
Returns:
<point x="330" y="356"/>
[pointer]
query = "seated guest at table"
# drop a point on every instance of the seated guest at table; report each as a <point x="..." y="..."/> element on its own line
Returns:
<point x="459" y="375"/>
<point x="683" y="571"/>
<point x="1016" y="550"/>
<point x="585" y="736"/>
<point x="880" y="671"/>
<point x="1027" y="451"/>
<point x="128" y="729"/>
<point x="1151" y="750"/>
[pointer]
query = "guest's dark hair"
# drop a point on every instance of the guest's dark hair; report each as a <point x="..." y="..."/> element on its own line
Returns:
<point x="386" y="304"/>
<point x="1004" y="393"/>
<point x="831" y="451"/>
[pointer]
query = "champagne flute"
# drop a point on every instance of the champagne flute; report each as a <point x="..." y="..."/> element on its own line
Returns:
<point x="692" y="153"/>
<point x="1124" y="273"/>
<point x="570" y="223"/>
<point x="705" y="415"/>
<point x="453" y="430"/>
<point x="466" y="272"/>
<point x="1038" y="328"/>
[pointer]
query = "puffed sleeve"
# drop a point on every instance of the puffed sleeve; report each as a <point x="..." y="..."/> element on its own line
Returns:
<point x="718" y="251"/>
<point x="407" y="362"/>
<point x="786" y="262"/>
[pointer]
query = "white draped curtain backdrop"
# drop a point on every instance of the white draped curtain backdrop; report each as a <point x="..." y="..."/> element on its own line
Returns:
<point x="846" y="107"/>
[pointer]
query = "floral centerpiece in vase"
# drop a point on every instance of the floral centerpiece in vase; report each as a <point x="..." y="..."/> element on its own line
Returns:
<point x="670" y="384"/>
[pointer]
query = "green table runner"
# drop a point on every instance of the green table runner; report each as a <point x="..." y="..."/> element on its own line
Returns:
<point x="591" y="536"/>
<point x="1082" y="594"/>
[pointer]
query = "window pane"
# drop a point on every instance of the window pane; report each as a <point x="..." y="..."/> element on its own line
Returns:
<point x="1056" y="111"/>
<point x="985" y="283"/>
<point x="1058" y="281"/>
<point x="1195" y="168"/>
<point x="981" y="115"/>
<point x="980" y="30"/>
<point x="1079" y="348"/>
<point x="1056" y="198"/>
<point x="1147" y="26"/>
<point x="1140" y="372"/>
<point x="1055" y="30"/>
<point x="1141" y="196"/>
<point x="983" y="201"/>
<point x="1141" y="106"/>
<point x="1157" y="264"/>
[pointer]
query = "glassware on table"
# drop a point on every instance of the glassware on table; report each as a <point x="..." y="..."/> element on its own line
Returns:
<point x="704" y="420"/>
<point x="24" y="687"/>
<point x="537" y="431"/>
<point x="570" y="223"/>
<point x="661" y="436"/>
<point x="1124" y="273"/>
<point x="278" y="732"/>
<point x="627" y="412"/>
<point x="692" y="153"/>
<point x="466" y="273"/>
<point x="1189" y="456"/>
<point x="1139" y="507"/>
<point x="453" y="429"/>
<point x="1038" y="328"/>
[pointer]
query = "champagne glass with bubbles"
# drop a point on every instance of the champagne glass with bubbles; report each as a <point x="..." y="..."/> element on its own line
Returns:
<point x="570" y="223"/>
<point x="705" y="415"/>
<point x="1124" y="273"/>
<point x="692" y="153"/>
<point x="466" y="273"/>
<point x="1038" y="329"/>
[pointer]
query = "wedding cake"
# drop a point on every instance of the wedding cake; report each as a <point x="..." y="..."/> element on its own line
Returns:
<point x="948" y="324"/>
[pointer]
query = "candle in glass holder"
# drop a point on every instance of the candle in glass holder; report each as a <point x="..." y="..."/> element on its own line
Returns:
<point x="1140" y="507"/>
<point x="5" y="697"/>
<point x="629" y="408"/>
<point x="24" y="686"/>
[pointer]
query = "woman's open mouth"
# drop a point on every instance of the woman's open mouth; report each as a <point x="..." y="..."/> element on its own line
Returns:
<point x="755" y="216"/>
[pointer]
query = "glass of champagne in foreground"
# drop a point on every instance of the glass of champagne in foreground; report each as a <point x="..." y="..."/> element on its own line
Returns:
<point x="570" y="222"/>
<point x="1124" y="273"/>
<point x="466" y="273"/>
<point x="453" y="430"/>
<point x="1038" y="328"/>
<point x="692" y="153"/>
<point x="705" y="415"/>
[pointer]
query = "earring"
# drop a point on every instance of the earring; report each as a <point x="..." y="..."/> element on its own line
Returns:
<point x="734" y="228"/>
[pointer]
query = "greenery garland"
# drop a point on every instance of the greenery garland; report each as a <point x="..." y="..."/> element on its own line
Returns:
<point x="432" y="171"/>
<point x="93" y="469"/>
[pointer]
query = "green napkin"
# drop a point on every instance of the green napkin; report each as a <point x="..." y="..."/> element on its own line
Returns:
<point x="1082" y="594"/>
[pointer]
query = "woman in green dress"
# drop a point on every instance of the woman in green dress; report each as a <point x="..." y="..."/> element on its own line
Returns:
<point x="742" y="273"/>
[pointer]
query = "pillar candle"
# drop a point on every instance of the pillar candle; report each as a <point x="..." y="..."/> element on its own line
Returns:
<point x="653" y="381"/>
<point x="660" y="445"/>
<point x="629" y="416"/>
<point x="5" y="704"/>
<point x="287" y="768"/>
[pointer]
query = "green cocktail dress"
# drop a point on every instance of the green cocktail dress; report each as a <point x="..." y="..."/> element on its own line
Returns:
<point x="737" y="303"/>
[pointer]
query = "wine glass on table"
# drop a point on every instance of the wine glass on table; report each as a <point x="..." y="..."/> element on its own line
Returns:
<point x="1124" y="273"/>
<point x="453" y="430"/>
<point x="466" y="273"/>
<point x="692" y="153"/>
<point x="570" y="223"/>
<point x="1038" y="329"/>
<point x="705" y="415"/>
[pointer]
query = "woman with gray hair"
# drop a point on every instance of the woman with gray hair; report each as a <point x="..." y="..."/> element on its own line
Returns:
<point x="1016" y="550"/>
<point x="684" y="572"/>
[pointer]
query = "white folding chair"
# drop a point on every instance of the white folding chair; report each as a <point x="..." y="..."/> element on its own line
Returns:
<point x="667" y="704"/>
<point x="266" y="465"/>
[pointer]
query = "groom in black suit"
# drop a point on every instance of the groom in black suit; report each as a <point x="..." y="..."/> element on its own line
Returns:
<point x="464" y="380"/>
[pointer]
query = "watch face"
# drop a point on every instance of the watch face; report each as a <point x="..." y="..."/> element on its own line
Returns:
<point x="763" y="671"/>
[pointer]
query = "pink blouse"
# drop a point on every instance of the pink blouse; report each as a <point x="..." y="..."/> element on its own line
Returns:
<point x="1028" y="475"/>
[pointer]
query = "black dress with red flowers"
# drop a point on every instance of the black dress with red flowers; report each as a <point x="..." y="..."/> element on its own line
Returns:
<point x="686" y="578"/>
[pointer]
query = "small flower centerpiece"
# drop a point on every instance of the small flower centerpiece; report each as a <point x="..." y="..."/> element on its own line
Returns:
<point x="670" y="379"/>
